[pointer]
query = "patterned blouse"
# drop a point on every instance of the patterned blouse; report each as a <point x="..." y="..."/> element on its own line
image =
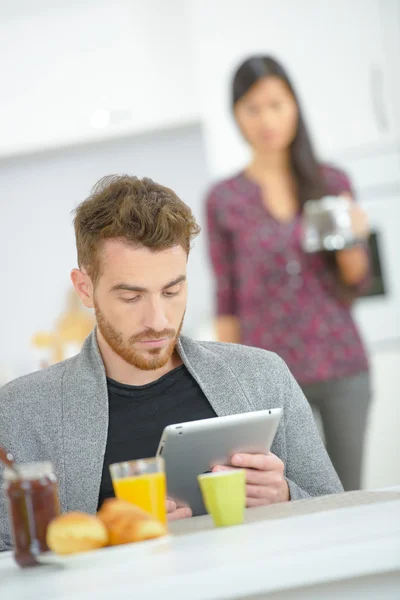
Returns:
<point x="286" y="300"/>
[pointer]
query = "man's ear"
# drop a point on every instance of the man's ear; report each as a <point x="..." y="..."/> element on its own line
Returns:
<point x="83" y="286"/>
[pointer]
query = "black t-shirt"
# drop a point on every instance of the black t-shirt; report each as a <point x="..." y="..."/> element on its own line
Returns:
<point x="138" y="415"/>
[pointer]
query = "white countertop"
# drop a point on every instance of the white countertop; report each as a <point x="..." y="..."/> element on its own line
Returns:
<point x="259" y="557"/>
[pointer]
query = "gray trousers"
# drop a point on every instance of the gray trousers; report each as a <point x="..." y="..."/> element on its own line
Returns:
<point x="343" y="405"/>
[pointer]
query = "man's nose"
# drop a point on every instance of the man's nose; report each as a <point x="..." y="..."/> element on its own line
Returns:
<point x="155" y="317"/>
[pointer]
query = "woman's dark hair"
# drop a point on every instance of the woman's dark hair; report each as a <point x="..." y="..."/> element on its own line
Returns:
<point x="304" y="163"/>
<point x="310" y="183"/>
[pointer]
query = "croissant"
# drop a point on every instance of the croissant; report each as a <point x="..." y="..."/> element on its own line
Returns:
<point x="128" y="523"/>
<point x="76" y="532"/>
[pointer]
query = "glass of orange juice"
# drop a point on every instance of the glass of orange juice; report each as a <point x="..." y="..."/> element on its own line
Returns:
<point x="142" y="482"/>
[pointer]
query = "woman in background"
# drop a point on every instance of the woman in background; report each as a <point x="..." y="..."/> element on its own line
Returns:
<point x="270" y="293"/>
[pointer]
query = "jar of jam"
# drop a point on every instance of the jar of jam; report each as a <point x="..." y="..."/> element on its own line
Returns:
<point x="33" y="502"/>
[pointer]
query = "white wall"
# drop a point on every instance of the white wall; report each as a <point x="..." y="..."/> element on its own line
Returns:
<point x="37" y="195"/>
<point x="335" y="53"/>
<point x="154" y="64"/>
<point x="62" y="61"/>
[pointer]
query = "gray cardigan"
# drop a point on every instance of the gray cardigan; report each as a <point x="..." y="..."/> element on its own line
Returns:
<point x="61" y="414"/>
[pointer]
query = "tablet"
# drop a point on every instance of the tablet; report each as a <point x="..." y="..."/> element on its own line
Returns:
<point x="190" y="449"/>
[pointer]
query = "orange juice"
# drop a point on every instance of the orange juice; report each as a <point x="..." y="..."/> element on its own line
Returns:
<point x="148" y="491"/>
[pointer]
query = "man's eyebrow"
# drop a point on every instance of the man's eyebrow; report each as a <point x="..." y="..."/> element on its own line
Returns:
<point x="126" y="287"/>
<point x="176" y="281"/>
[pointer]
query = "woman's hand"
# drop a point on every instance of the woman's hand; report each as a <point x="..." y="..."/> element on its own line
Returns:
<point x="353" y="263"/>
<point x="359" y="219"/>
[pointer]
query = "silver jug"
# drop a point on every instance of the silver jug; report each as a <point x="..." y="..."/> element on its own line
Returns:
<point x="327" y="225"/>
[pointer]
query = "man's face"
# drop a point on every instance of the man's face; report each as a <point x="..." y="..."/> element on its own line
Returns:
<point x="140" y="301"/>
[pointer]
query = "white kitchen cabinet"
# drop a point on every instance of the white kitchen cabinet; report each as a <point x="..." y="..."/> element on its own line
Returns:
<point x="336" y="53"/>
<point x="390" y="13"/>
<point x="85" y="71"/>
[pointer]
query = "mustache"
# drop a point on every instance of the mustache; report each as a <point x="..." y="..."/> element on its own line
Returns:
<point x="151" y="334"/>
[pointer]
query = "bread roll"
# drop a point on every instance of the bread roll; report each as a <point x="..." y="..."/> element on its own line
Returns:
<point x="76" y="532"/>
<point x="127" y="523"/>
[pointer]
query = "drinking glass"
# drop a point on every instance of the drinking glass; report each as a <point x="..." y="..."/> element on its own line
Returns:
<point x="143" y="483"/>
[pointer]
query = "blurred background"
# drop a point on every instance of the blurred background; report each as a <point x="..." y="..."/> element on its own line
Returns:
<point x="94" y="87"/>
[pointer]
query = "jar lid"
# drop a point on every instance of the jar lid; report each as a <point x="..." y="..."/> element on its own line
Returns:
<point x="29" y="471"/>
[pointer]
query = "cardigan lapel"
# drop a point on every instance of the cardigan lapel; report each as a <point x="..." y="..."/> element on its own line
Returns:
<point x="85" y="428"/>
<point x="215" y="377"/>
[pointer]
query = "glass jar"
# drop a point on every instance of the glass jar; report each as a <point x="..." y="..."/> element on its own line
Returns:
<point x="327" y="225"/>
<point x="33" y="502"/>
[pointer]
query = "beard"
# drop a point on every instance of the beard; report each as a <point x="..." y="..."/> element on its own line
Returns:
<point x="148" y="360"/>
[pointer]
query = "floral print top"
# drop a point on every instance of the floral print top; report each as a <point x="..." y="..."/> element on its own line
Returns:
<point x="286" y="300"/>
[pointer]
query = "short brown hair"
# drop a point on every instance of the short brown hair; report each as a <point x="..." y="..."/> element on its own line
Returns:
<point x="138" y="211"/>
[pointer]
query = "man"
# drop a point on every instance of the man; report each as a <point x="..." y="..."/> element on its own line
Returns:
<point x="136" y="373"/>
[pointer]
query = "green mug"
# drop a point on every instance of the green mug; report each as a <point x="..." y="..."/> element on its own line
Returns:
<point x="224" y="496"/>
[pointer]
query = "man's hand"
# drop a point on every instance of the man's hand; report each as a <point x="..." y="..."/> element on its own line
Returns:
<point x="265" y="482"/>
<point x="176" y="511"/>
